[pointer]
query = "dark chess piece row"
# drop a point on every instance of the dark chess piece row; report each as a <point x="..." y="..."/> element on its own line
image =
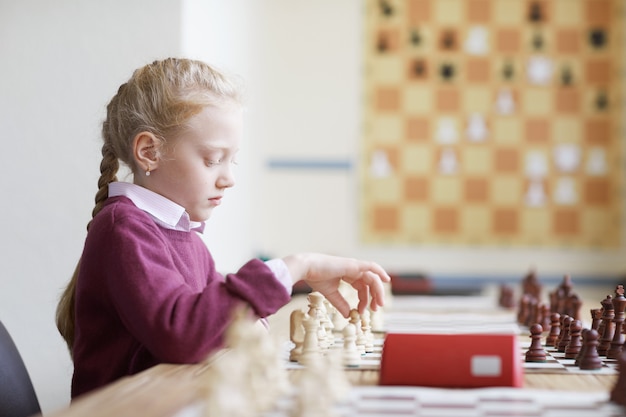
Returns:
<point x="604" y="338"/>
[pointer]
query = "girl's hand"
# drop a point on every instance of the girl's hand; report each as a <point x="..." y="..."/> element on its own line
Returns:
<point x="324" y="273"/>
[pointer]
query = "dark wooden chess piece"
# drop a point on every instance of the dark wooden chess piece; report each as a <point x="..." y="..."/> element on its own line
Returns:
<point x="596" y="314"/>
<point x="562" y="330"/>
<point x="531" y="285"/>
<point x="619" y="304"/>
<point x="535" y="352"/>
<point x="590" y="360"/>
<point x="555" y="329"/>
<point x="506" y="299"/>
<point x="583" y="338"/>
<point x="608" y="315"/>
<point x="573" y="347"/>
<point x="565" y="333"/>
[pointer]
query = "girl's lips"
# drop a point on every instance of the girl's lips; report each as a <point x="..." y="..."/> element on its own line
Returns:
<point x="216" y="201"/>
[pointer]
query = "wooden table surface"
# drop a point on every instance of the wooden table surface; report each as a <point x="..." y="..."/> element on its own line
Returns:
<point x="165" y="389"/>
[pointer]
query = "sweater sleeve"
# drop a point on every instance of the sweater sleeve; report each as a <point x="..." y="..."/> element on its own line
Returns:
<point x="173" y="301"/>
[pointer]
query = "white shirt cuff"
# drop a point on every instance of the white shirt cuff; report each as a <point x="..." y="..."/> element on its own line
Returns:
<point x="281" y="272"/>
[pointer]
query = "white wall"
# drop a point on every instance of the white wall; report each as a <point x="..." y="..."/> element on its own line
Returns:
<point x="60" y="63"/>
<point x="62" y="60"/>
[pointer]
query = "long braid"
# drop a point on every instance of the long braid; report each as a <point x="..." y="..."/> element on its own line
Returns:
<point x="66" y="309"/>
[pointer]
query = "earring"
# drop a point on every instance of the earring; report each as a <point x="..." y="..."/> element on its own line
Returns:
<point x="148" y="171"/>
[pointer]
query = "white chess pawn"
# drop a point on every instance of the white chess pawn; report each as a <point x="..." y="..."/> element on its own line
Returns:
<point x="376" y="320"/>
<point x="504" y="102"/>
<point x="536" y="164"/>
<point x="355" y="319"/>
<point x="326" y="321"/>
<point x="351" y="355"/>
<point x="477" y="42"/>
<point x="380" y="167"/>
<point x="535" y="195"/>
<point x="367" y="331"/>
<point x="296" y="334"/>
<point x="448" y="163"/>
<point x="567" y="157"/>
<point x="539" y="70"/>
<point x="476" y="128"/>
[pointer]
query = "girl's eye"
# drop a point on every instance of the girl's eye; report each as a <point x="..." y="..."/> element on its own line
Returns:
<point x="213" y="162"/>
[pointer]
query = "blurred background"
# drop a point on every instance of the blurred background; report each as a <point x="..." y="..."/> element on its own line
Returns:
<point x="309" y="175"/>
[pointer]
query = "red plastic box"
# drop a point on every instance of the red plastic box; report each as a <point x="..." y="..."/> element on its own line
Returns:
<point x="451" y="360"/>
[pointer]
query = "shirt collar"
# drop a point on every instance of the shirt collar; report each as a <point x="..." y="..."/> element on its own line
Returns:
<point x="163" y="210"/>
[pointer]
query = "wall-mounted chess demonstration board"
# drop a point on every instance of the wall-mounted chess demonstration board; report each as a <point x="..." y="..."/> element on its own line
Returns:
<point x="493" y="122"/>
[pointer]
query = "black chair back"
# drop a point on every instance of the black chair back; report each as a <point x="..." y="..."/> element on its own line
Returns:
<point x="17" y="395"/>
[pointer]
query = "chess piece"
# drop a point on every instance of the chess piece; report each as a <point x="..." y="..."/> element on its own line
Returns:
<point x="380" y="167"/>
<point x="573" y="347"/>
<point x="561" y="332"/>
<point x="565" y="333"/>
<point x="476" y="128"/>
<point x="590" y="359"/>
<point x="539" y="69"/>
<point x="506" y="298"/>
<point x="367" y="331"/>
<point x="619" y="304"/>
<point x="448" y="162"/>
<point x="351" y="356"/>
<point x="608" y="314"/>
<point x="536" y="165"/>
<point x="296" y="334"/>
<point x="310" y="346"/>
<point x="581" y="353"/>
<point x="531" y="285"/>
<point x="355" y="319"/>
<point x="555" y="329"/>
<point x="535" y="352"/>
<point x="316" y="311"/>
<point x="477" y="41"/>
<point x="505" y="104"/>
<point x="596" y="318"/>
<point x="535" y="194"/>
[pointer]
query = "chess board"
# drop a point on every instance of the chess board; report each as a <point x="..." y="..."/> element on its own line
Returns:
<point x="369" y="361"/>
<point x="431" y="402"/>
<point x="557" y="364"/>
<point x="493" y="122"/>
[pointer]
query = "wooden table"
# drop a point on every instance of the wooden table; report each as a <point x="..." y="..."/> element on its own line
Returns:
<point x="165" y="389"/>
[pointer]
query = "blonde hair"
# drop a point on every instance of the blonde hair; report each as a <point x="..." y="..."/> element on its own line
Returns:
<point x="158" y="98"/>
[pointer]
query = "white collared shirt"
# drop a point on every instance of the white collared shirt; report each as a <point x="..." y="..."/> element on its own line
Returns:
<point x="170" y="215"/>
<point x="164" y="211"/>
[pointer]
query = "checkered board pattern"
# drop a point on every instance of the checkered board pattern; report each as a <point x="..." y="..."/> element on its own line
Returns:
<point x="493" y="122"/>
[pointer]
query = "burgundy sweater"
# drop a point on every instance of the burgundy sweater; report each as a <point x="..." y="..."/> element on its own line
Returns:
<point x="147" y="295"/>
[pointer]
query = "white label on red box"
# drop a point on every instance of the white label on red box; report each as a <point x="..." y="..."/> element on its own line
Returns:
<point x="486" y="365"/>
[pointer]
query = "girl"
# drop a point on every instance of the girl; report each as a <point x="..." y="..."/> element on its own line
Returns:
<point x="146" y="289"/>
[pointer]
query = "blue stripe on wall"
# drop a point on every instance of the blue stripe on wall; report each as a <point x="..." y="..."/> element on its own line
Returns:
<point x="310" y="164"/>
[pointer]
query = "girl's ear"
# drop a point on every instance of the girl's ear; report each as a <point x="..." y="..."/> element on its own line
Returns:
<point x="146" y="148"/>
